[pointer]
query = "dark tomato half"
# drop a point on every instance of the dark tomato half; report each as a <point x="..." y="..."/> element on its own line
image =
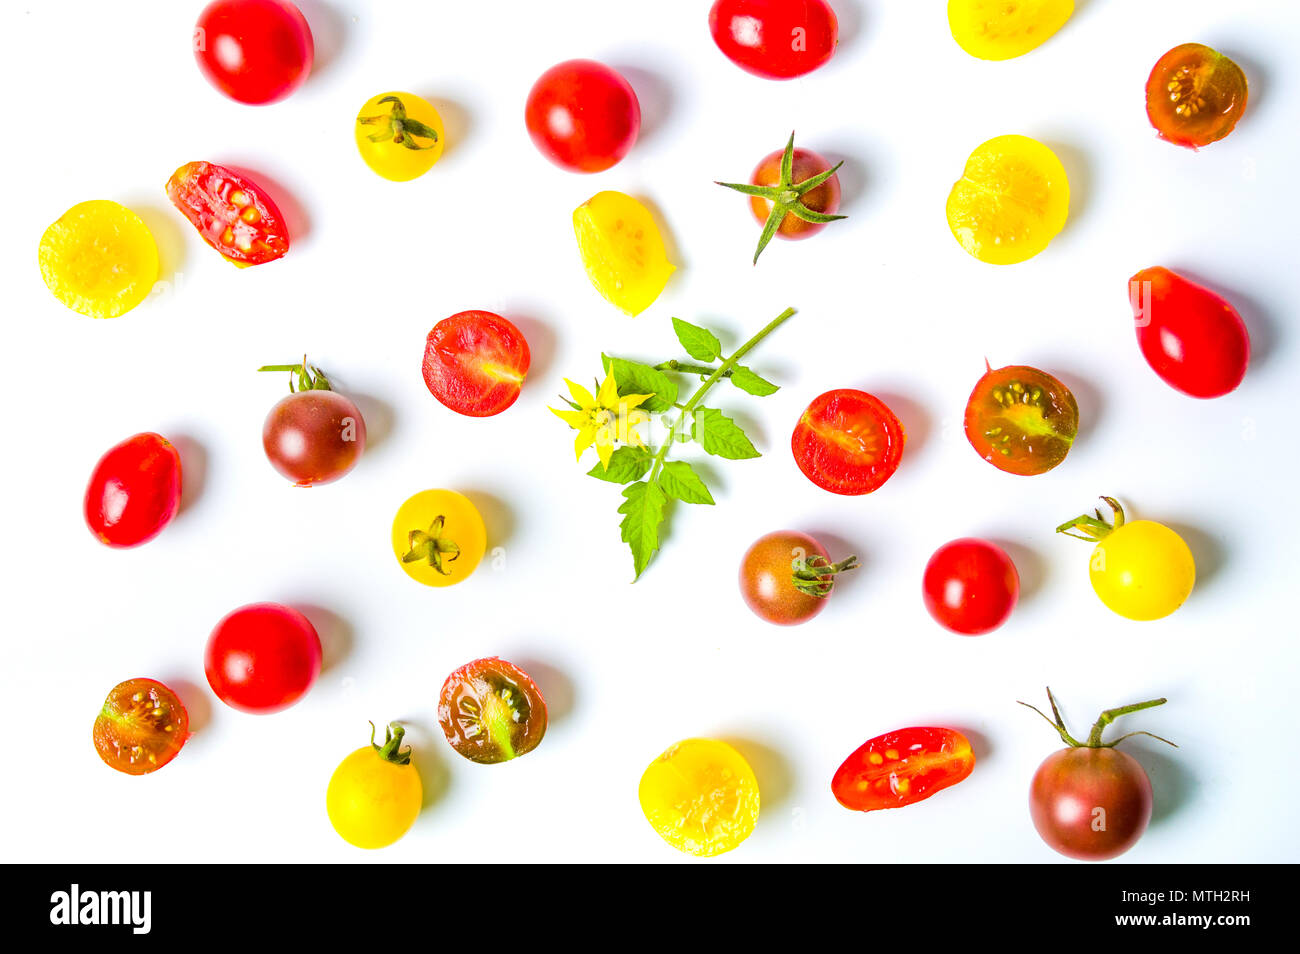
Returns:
<point x="1021" y="420"/>
<point x="141" y="727"/>
<point x="1195" y="95"/>
<point x="491" y="711"/>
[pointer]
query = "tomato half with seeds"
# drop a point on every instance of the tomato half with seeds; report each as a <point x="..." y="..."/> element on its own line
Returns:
<point x="254" y="51"/>
<point x="1021" y="420"/>
<point x="583" y="115"/>
<point x="902" y="767"/>
<point x="233" y="213"/>
<point x="848" y="442"/>
<point x="775" y="39"/>
<point x="701" y="796"/>
<point x="1195" y="95"/>
<point x="491" y="711"/>
<point x="475" y="363"/>
<point x="134" y="491"/>
<point x="141" y="727"/>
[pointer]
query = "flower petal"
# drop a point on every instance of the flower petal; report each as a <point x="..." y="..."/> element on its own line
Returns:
<point x="581" y="395"/>
<point x="583" y="441"/>
<point x="575" y="419"/>
<point x="604" y="446"/>
<point x="628" y="401"/>
<point x="608" y="396"/>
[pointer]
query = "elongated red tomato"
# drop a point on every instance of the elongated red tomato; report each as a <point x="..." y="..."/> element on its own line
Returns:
<point x="902" y="767"/>
<point x="232" y="212"/>
<point x="848" y="442"/>
<point x="475" y="363"/>
<point x="134" y="491"/>
<point x="1190" y="336"/>
<point x="775" y="39"/>
<point x="254" y="51"/>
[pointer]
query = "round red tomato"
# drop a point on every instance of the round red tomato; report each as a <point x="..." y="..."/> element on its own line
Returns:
<point x="1090" y="803"/>
<point x="775" y="39"/>
<point x="848" y="442"/>
<point x="970" y="586"/>
<point x="475" y="363"/>
<point x="1195" y="95"/>
<point x="254" y="51"/>
<point x="262" y="657"/>
<point x="134" y="491"/>
<point x="786" y="576"/>
<point x="491" y="711"/>
<point x="902" y="767"/>
<point x="583" y="116"/>
<point x="1021" y="420"/>
<point x="141" y="727"/>
<point x="1190" y="336"/>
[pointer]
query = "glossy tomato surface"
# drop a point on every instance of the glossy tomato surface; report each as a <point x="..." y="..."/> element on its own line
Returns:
<point x="970" y="586"/>
<point x="491" y="711"/>
<point x="1021" y="420"/>
<point x="314" y="437"/>
<point x="775" y="39"/>
<point x="233" y="214"/>
<point x="769" y="571"/>
<point x="254" y="51"/>
<point x="475" y="363"/>
<point x="583" y="115"/>
<point x="848" y="442"/>
<point x="824" y="198"/>
<point x="141" y="727"/>
<point x="1195" y="340"/>
<point x="902" y="767"/>
<point x="262" y="657"/>
<point x="1195" y="95"/>
<point x="134" y="491"/>
<point x="1090" y="803"/>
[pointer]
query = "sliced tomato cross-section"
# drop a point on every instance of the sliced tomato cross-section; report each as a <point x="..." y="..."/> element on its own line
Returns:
<point x="848" y="442"/>
<point x="902" y="767"/>
<point x="232" y="213"/>
<point x="475" y="363"/>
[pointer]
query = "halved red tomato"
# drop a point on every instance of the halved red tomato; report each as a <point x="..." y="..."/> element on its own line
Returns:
<point x="475" y="363"/>
<point x="1195" y="95"/>
<point x="232" y="213"/>
<point x="902" y="767"/>
<point x="141" y="727"/>
<point x="848" y="442"/>
<point x="1021" y="420"/>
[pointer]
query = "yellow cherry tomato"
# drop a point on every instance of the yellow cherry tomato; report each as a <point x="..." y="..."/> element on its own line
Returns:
<point x="1141" y="570"/>
<point x="438" y="537"/>
<point x="701" y="796"/>
<point x="399" y="135"/>
<point x="99" y="259"/>
<point x="1012" y="199"/>
<point x="623" y="250"/>
<point x="1003" y="29"/>
<point x="375" y="794"/>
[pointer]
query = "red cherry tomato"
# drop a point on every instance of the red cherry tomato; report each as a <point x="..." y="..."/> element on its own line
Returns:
<point x="475" y="363"/>
<point x="775" y="39"/>
<point x="1190" y="336"/>
<point x="141" y="727"/>
<point x="1021" y="420"/>
<point x="254" y="51"/>
<point x="1195" y="95"/>
<point x="134" y="491"/>
<point x="582" y="115"/>
<point x="970" y="586"/>
<point x="232" y="213"/>
<point x="848" y="442"/>
<point x="902" y="767"/>
<point x="262" y="657"/>
<point x="491" y="711"/>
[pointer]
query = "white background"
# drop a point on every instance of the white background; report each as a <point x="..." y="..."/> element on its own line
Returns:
<point x="104" y="100"/>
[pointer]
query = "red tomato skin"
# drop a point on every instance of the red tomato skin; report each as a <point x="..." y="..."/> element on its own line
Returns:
<point x="583" y="115"/>
<point x="134" y="491"/>
<point x="262" y="658"/>
<point x="1193" y="339"/>
<point x="762" y="38"/>
<point x="825" y="463"/>
<point x="1070" y="788"/>
<point x="970" y="586"/>
<point x="201" y="192"/>
<point x="824" y="198"/>
<point x="459" y="355"/>
<point x="863" y="785"/>
<point x="255" y="51"/>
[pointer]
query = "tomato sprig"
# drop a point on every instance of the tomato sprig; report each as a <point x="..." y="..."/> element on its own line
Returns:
<point x="391" y="750"/>
<point x="399" y="127"/>
<point x="310" y="377"/>
<point x="815" y="575"/>
<point x="786" y="197"/>
<point x="430" y="546"/>
<point x="1094" y="527"/>
<point x="1094" y="740"/>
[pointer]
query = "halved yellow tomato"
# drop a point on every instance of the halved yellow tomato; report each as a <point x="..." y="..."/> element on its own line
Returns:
<point x="701" y="796"/>
<point x="99" y="259"/>
<point x="1004" y="29"/>
<point x="1012" y="199"/>
<point x="623" y="250"/>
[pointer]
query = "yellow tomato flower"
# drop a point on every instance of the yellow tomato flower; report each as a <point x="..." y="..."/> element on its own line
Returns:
<point x="604" y="420"/>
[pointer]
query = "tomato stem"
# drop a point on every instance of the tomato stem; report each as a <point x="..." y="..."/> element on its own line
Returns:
<point x="815" y="576"/>
<point x="398" y="127"/>
<point x="430" y="546"/>
<point x="310" y="377"/>
<point x="1094" y="527"/>
<point x="1105" y="719"/>
<point x="391" y="750"/>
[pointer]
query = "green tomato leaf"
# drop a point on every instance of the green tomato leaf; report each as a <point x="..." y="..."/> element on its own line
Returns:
<point x="679" y="480"/>
<point x="752" y="383"/>
<point x="720" y="436"/>
<point x="700" y="343"/>
<point x="643" y="512"/>
<point x="633" y="377"/>
<point x="626" y="464"/>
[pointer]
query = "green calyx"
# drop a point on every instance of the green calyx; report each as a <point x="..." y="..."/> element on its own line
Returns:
<point x="398" y="127"/>
<point x="391" y="750"/>
<point x="815" y="576"/>
<point x="786" y="197"/>
<point x="430" y="546"/>
<point x="309" y="377"/>
<point x="1106" y="718"/>
<point x="1094" y="527"/>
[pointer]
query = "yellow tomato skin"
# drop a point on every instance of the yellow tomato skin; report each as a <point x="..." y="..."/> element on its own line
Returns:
<point x="1004" y="29"/>
<point x="99" y="259"/>
<point x="462" y="525"/>
<point x="390" y="159"/>
<point x="701" y="797"/>
<point x="1013" y="198"/>
<point x="373" y="802"/>
<point x="622" y="250"/>
<point x="1143" y="570"/>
